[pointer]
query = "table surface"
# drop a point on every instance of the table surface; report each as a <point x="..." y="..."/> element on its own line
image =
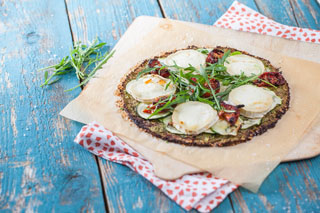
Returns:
<point x="41" y="169"/>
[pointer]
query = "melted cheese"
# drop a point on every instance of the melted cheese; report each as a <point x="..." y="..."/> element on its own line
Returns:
<point x="257" y="101"/>
<point x="150" y="87"/>
<point x="185" y="58"/>
<point x="237" y="64"/>
<point x="193" y="117"/>
<point x="167" y="123"/>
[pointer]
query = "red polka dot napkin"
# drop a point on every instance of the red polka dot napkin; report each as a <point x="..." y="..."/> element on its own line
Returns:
<point x="200" y="191"/>
<point x="241" y="17"/>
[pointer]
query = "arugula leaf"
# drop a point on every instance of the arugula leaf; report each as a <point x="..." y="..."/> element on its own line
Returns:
<point x="235" y="53"/>
<point x="84" y="61"/>
<point x="203" y="51"/>
<point x="145" y="71"/>
<point x="205" y="76"/>
<point x="172" y="100"/>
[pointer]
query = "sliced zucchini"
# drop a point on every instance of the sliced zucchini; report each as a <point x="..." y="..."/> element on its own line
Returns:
<point x="167" y="121"/>
<point x="250" y="122"/>
<point x="210" y="131"/>
<point x="222" y="127"/>
<point x="142" y="106"/>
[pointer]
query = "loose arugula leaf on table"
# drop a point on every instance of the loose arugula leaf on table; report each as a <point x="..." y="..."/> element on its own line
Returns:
<point x="84" y="60"/>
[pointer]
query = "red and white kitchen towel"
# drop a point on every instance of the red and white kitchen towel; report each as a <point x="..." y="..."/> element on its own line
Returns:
<point x="200" y="191"/>
<point x="241" y="17"/>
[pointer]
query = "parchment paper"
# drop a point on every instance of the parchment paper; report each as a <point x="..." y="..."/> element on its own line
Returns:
<point x="246" y="164"/>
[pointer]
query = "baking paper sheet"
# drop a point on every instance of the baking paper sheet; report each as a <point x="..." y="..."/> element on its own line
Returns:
<point x="246" y="164"/>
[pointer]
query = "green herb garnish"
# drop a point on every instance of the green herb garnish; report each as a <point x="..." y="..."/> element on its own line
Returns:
<point x="203" y="51"/>
<point x="190" y="83"/>
<point x="235" y="53"/>
<point x="84" y="60"/>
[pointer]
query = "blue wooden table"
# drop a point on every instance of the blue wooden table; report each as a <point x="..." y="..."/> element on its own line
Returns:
<point x="42" y="170"/>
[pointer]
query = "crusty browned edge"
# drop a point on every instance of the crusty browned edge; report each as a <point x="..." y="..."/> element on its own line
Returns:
<point x="189" y="140"/>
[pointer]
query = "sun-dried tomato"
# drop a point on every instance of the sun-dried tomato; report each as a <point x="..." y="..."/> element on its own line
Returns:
<point x="194" y="80"/>
<point x="156" y="105"/>
<point x="214" y="55"/>
<point x="215" y="85"/>
<point x="153" y="107"/>
<point x="148" y="111"/>
<point x="274" y="78"/>
<point x="232" y="116"/>
<point x="156" y="63"/>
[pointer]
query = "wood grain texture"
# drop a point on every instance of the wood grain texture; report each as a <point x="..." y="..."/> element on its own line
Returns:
<point x="107" y="19"/>
<point x="280" y="11"/>
<point x="292" y="186"/>
<point x="41" y="169"/>
<point x="307" y="13"/>
<point x="204" y="12"/>
<point x="125" y="190"/>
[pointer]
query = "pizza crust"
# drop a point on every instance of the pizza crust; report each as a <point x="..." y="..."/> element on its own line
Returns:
<point x="157" y="129"/>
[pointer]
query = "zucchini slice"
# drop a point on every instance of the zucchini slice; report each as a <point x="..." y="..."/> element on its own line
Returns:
<point x="167" y="121"/>
<point x="142" y="106"/>
<point x="250" y="122"/>
<point x="222" y="127"/>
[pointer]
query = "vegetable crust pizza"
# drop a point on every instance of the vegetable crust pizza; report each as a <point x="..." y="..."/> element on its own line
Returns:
<point x="204" y="96"/>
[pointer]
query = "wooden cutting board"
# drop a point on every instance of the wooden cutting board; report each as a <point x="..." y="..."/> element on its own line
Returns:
<point x="309" y="146"/>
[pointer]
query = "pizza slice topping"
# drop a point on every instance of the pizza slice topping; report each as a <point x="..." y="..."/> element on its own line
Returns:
<point x="230" y="113"/>
<point x="193" y="117"/>
<point x="215" y="85"/>
<point x="268" y="79"/>
<point x="163" y="72"/>
<point x="185" y="58"/>
<point x="241" y="63"/>
<point x="257" y="101"/>
<point x="150" y="87"/>
<point x="215" y="92"/>
<point x="214" y="56"/>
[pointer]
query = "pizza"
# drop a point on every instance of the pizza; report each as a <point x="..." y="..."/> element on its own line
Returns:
<point x="204" y="96"/>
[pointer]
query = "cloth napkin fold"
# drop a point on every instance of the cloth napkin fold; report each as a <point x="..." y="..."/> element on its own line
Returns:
<point x="201" y="191"/>
<point x="241" y="17"/>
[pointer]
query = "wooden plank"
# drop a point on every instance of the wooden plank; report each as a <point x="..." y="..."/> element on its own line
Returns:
<point x="205" y="12"/>
<point x="106" y="19"/>
<point x="125" y="190"/>
<point x="115" y="184"/>
<point x="283" y="190"/>
<point x="41" y="169"/>
<point x="280" y="11"/>
<point x="291" y="186"/>
<point x="307" y="13"/>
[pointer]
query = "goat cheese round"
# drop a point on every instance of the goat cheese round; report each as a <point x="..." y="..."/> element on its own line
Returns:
<point x="245" y="64"/>
<point x="150" y="87"/>
<point x="193" y="117"/>
<point x="257" y="101"/>
<point x="185" y="58"/>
